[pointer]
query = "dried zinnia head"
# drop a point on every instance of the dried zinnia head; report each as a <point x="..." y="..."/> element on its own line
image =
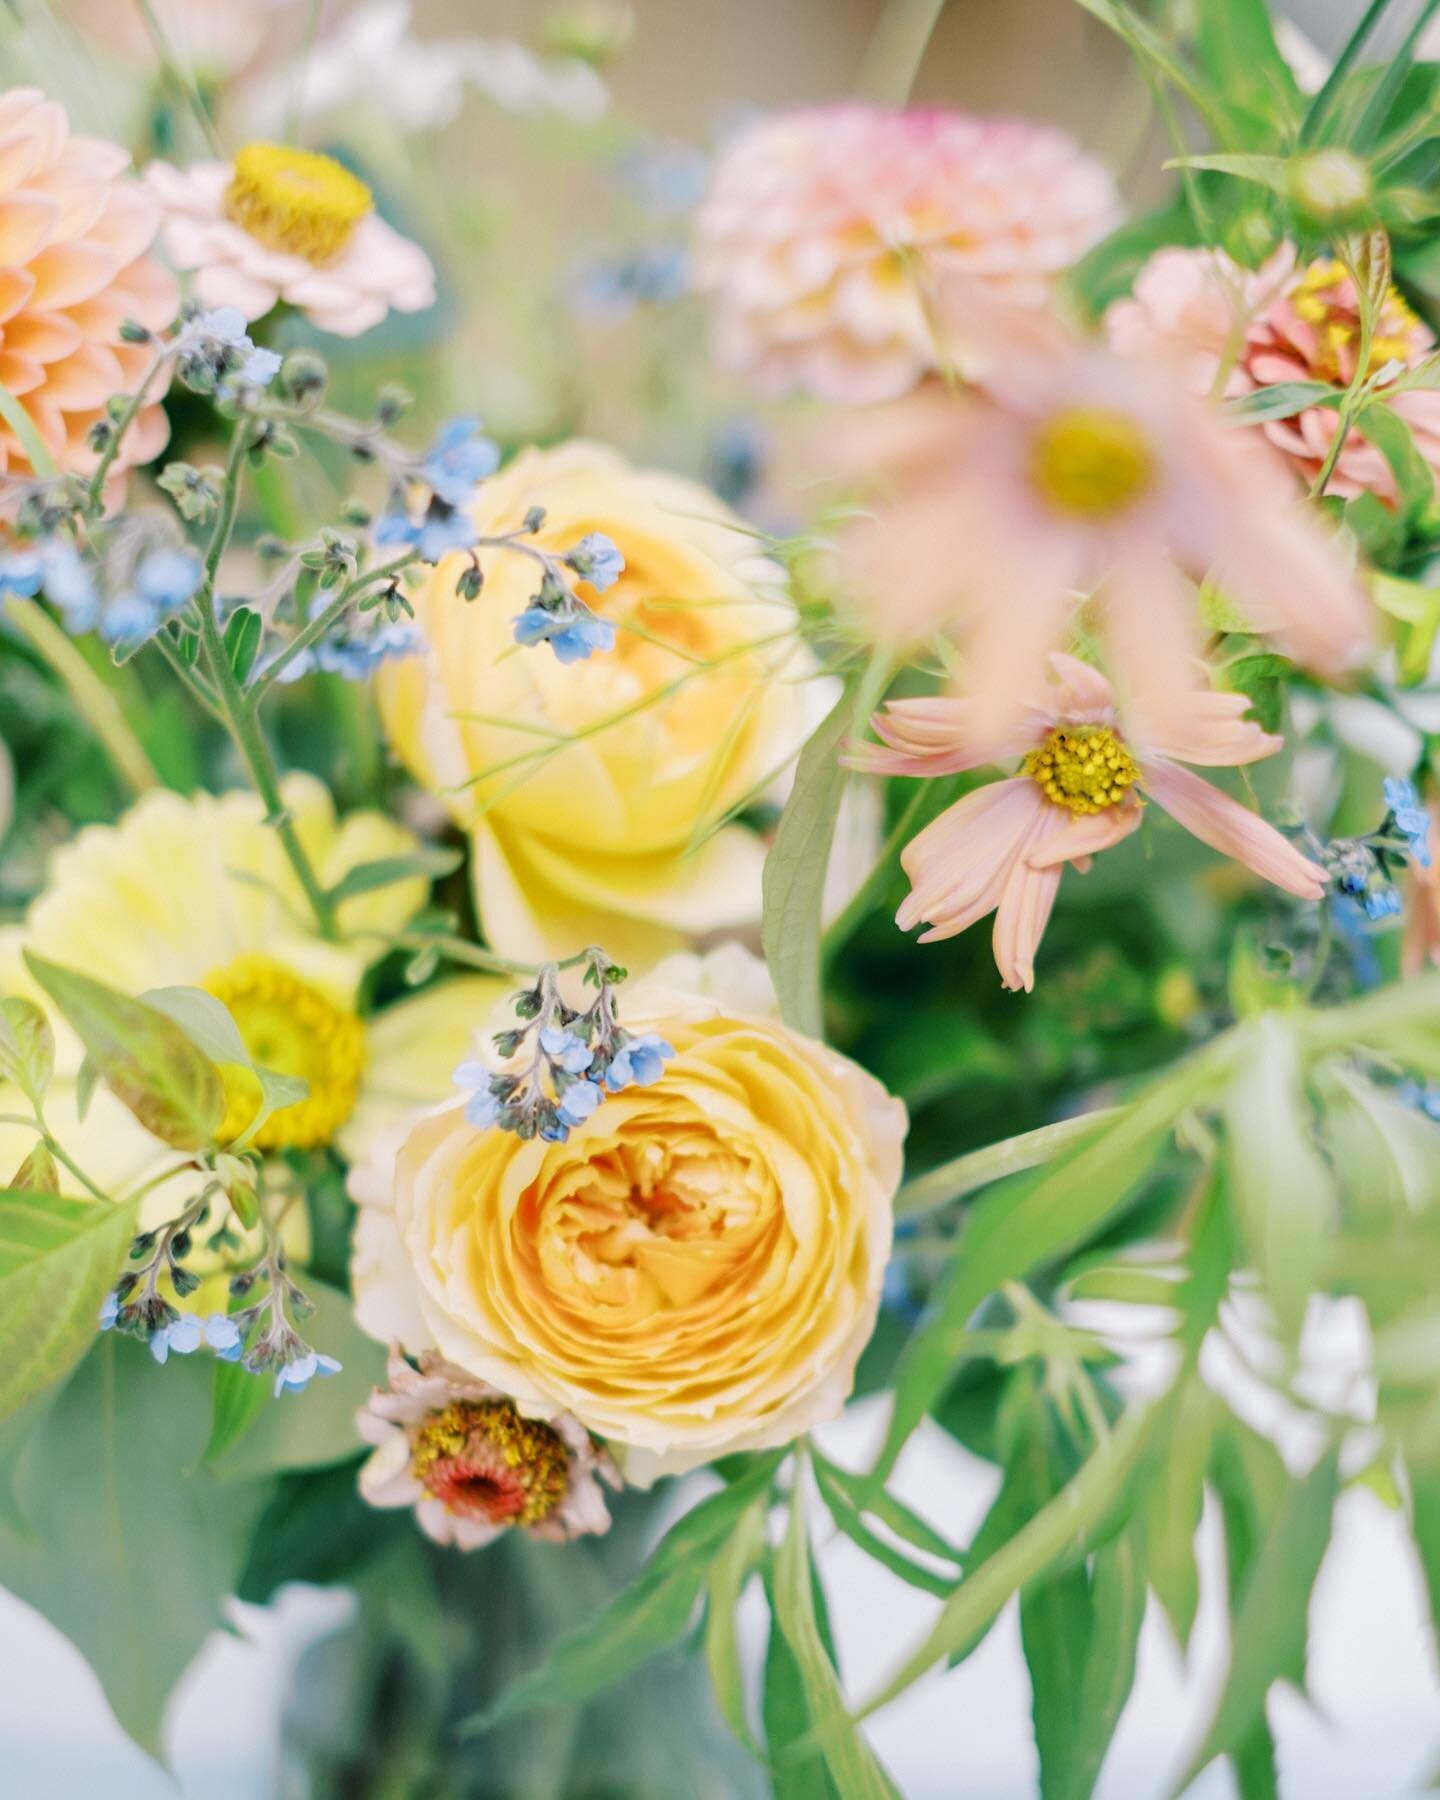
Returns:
<point x="75" y="230"/>
<point x="828" y="233"/>
<point x="472" y="1465"/>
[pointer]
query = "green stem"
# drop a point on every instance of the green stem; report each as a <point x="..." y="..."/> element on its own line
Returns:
<point x="93" y="700"/>
<point x="244" y="727"/>
<point x="978" y="1168"/>
<point x="119" y="428"/>
<point x="176" y="78"/>
<point x="472" y="956"/>
<point x="896" y="49"/>
<point x="316" y="627"/>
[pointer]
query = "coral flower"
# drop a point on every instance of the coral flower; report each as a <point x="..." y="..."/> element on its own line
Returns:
<point x="472" y="1466"/>
<point x="826" y="233"/>
<point x="1002" y="849"/>
<point x="1250" y="330"/>
<point x="74" y="232"/>
<point x="1079" y="472"/>
<point x="284" y="224"/>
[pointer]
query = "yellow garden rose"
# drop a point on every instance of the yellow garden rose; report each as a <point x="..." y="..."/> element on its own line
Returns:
<point x="695" y="1271"/>
<point x="592" y="789"/>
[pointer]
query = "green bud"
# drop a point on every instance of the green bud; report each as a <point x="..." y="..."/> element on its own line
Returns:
<point x="1330" y="189"/>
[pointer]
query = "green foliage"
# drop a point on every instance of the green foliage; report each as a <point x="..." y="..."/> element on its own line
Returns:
<point x="58" y="1260"/>
<point x="208" y="1024"/>
<point x="143" y="1056"/>
<point x="27" y="1048"/>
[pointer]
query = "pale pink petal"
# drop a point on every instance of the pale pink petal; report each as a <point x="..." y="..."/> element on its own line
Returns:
<point x="1080" y="693"/>
<point x="959" y="863"/>
<point x="1086" y="834"/>
<point x="222" y="284"/>
<point x="1025" y="904"/>
<point x="1209" y="727"/>
<point x="1232" y="829"/>
<point x="929" y="736"/>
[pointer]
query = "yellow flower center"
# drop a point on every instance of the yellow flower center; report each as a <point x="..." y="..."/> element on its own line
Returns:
<point x="483" y="1460"/>
<point x="1323" y="297"/>
<point x="296" y="200"/>
<point x="1091" y="461"/>
<point x="1083" y="767"/>
<point x="292" y="1028"/>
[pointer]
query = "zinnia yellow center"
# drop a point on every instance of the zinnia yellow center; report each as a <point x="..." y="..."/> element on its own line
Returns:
<point x="1322" y="298"/>
<point x="292" y="1028"/>
<point x="1091" y="461"/>
<point x="296" y="200"/>
<point x="1084" y="768"/>
<point x="483" y="1460"/>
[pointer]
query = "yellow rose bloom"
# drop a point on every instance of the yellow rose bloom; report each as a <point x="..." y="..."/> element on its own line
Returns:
<point x="591" y="789"/>
<point x="198" y="892"/>
<point x="695" y="1271"/>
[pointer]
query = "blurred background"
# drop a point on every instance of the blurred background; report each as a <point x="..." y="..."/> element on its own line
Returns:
<point x="555" y="207"/>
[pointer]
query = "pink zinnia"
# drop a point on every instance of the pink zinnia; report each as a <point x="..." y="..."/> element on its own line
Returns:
<point x="1246" y="330"/>
<point x="1002" y="849"/>
<point x="1079" y="473"/>
<point x="827" y="233"/>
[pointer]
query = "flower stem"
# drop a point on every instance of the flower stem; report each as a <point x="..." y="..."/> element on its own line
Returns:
<point x="94" y="701"/>
<point x="897" y="48"/>
<point x="316" y="627"/>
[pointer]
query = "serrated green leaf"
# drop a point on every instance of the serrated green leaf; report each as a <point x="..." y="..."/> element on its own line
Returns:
<point x="385" y="871"/>
<point x="58" y="1260"/>
<point x="27" y="1047"/>
<point x="1268" y="1634"/>
<point x="143" y="1056"/>
<point x="640" y="1621"/>
<point x="852" y="1764"/>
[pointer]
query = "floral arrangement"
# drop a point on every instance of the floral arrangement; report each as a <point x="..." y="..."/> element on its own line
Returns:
<point x="466" y="1057"/>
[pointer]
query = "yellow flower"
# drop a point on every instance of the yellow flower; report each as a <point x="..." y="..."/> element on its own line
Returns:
<point x="197" y="892"/>
<point x="695" y="1271"/>
<point x="590" y="788"/>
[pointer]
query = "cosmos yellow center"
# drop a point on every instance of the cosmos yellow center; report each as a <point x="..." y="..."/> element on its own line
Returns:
<point x="483" y="1460"/>
<point x="294" y="1029"/>
<point x="1084" y="768"/>
<point x="296" y="200"/>
<point x="1323" y="298"/>
<point x="1091" y="462"/>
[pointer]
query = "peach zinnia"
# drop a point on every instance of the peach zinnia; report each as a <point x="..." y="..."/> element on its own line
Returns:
<point x="1246" y="331"/>
<point x="827" y="232"/>
<point x="1002" y="849"/>
<point x="74" y="233"/>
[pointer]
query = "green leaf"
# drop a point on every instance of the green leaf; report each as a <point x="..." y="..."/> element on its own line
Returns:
<point x="39" y="1173"/>
<point x="1416" y="607"/>
<point x="643" y="1619"/>
<point x="58" y="1260"/>
<point x="210" y="1026"/>
<point x="1031" y="1221"/>
<point x="1425" y="1528"/>
<point x="127" y="1556"/>
<point x="1175" y="1498"/>
<point x="793" y="882"/>
<point x="1268" y="1631"/>
<point x="302" y="1430"/>
<point x="317" y="1528"/>
<point x="1272" y="172"/>
<point x="27" y="1047"/>
<point x="146" y="1060"/>
<point x="1322" y="107"/>
<point x="1280" y="1185"/>
<point x="1392" y="437"/>
<point x="893" y="1513"/>
<point x="1235" y="43"/>
<point x="243" y="633"/>
<point x="1282" y="400"/>
<point x="20" y="422"/>
<point x="1107" y="272"/>
<point x="849" y="1517"/>
<point x="1386" y="1154"/>
<point x="1062" y="1529"/>
<point x="385" y="871"/>
<point x="1117" y="1611"/>
<point x="853" y="1767"/>
<point x="797" y="1767"/>
<point x="1011" y="1156"/>
<point x="730" y="1573"/>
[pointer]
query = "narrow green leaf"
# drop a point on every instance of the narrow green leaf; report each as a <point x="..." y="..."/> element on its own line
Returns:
<point x="1322" y="107"/>
<point x="1281" y="1188"/>
<point x="1425" y="1529"/>
<point x="144" y="1057"/>
<point x="1268" y="1633"/>
<point x="1236" y="45"/>
<point x="797" y="1768"/>
<point x="1011" y="1156"/>
<point x="730" y="1573"/>
<point x="1282" y="401"/>
<point x="58" y="1260"/>
<point x="1117" y="1611"/>
<point x="243" y="631"/>
<point x="1272" y="172"/>
<point x="891" y="1512"/>
<point x="793" y="882"/>
<point x="31" y="442"/>
<point x="851" y="1520"/>
<point x="27" y="1047"/>
<point x="385" y="871"/>
<point x="643" y="1619"/>
<point x="1175" y="1498"/>
<point x="856" y="1773"/>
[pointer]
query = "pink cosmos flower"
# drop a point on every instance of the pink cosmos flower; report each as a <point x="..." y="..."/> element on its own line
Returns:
<point x="1002" y="848"/>
<point x="1247" y="330"/>
<point x="284" y="224"/>
<point x="827" y="232"/>
<point x="1079" y="474"/>
<point x="75" y="235"/>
